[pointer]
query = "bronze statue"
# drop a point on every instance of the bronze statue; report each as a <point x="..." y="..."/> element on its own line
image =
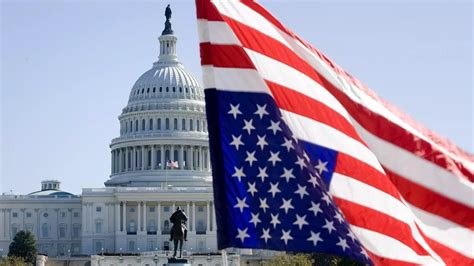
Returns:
<point x="167" y="29"/>
<point x="179" y="231"/>
<point x="168" y="12"/>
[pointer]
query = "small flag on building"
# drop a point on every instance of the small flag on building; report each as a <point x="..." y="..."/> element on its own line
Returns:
<point x="172" y="164"/>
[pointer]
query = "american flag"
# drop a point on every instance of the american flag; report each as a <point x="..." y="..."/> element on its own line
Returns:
<point x="306" y="158"/>
<point x="172" y="164"/>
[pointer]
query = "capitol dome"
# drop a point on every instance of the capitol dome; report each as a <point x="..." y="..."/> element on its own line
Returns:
<point x="163" y="129"/>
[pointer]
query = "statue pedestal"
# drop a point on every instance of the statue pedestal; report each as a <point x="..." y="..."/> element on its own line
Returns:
<point x="178" y="262"/>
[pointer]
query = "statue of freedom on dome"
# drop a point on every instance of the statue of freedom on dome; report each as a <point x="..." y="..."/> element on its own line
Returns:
<point x="167" y="29"/>
<point x="168" y="12"/>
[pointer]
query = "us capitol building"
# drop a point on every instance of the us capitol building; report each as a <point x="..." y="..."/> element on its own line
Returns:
<point x="163" y="121"/>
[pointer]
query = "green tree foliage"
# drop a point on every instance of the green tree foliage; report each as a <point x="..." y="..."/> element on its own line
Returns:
<point x="302" y="259"/>
<point x="12" y="261"/>
<point x="289" y="260"/>
<point x="23" y="246"/>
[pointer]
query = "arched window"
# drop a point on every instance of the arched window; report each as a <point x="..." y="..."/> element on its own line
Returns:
<point x="175" y="124"/>
<point x="198" y="125"/>
<point x="131" y="126"/>
<point x="45" y="230"/>
<point x="136" y="125"/>
<point x="167" y="89"/>
<point x="187" y="90"/>
<point x="191" y="125"/>
<point x="143" y="90"/>
<point x="143" y="124"/>
<point x="161" y="89"/>
<point x="167" y="155"/>
<point x="174" y="89"/>
<point x="180" y="89"/>
<point x="159" y="124"/>
<point x="154" y="89"/>
<point x="183" y="124"/>
<point x="148" y="90"/>
<point x="167" y="124"/>
<point x="151" y="124"/>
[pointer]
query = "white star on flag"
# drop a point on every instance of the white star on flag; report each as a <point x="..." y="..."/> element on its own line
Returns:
<point x="250" y="157"/>
<point x="321" y="166"/>
<point x="274" y="158"/>
<point x="301" y="191"/>
<point x="236" y="141"/>
<point x="315" y="238"/>
<point x="261" y="111"/>
<point x="274" y="127"/>
<point x="239" y="173"/>
<point x="275" y="220"/>
<point x="255" y="220"/>
<point x="287" y="174"/>
<point x="242" y="234"/>
<point x="286" y="205"/>
<point x="241" y="204"/>
<point x="262" y="173"/>
<point x="252" y="189"/>
<point x="274" y="189"/>
<point x="265" y="234"/>
<point x="248" y="126"/>
<point x="329" y="226"/>
<point x="343" y="244"/>
<point x="234" y="110"/>
<point x="286" y="236"/>
<point x="300" y="221"/>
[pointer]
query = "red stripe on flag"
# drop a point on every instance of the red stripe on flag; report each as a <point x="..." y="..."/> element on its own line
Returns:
<point x="206" y="10"/>
<point x="433" y="202"/>
<point x="231" y="56"/>
<point x="376" y="221"/>
<point x="377" y="260"/>
<point x="301" y="104"/>
<point x="356" y="169"/>
<point x="449" y="256"/>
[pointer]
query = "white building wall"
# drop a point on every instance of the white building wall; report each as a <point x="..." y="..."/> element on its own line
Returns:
<point x="50" y="219"/>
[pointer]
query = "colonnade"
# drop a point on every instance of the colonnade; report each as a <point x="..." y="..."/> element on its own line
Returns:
<point x="154" y="157"/>
<point x="143" y="216"/>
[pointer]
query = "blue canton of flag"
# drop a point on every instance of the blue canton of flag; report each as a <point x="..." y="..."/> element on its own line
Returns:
<point x="270" y="189"/>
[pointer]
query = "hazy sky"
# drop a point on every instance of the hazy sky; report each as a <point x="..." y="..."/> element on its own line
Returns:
<point x="67" y="68"/>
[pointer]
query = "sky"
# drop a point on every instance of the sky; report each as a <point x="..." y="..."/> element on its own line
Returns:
<point x="67" y="68"/>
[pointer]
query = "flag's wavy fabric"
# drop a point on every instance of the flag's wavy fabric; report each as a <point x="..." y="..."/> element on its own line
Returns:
<point x="406" y="192"/>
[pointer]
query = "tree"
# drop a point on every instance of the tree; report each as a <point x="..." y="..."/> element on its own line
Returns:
<point x="23" y="246"/>
<point x="308" y="259"/>
<point x="289" y="260"/>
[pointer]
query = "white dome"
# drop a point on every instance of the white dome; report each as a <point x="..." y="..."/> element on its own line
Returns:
<point x="166" y="81"/>
<point x="163" y="129"/>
